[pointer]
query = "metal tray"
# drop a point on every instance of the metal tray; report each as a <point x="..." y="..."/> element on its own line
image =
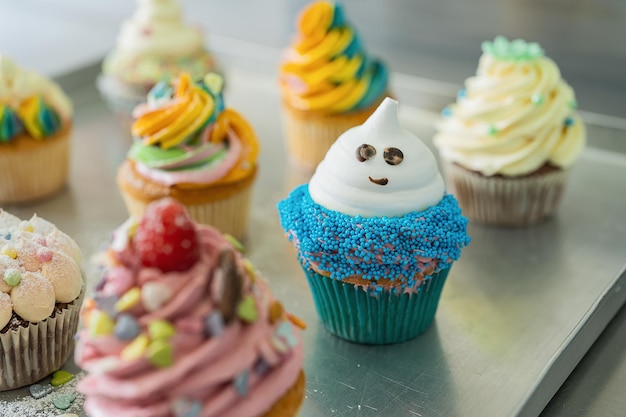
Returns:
<point x="519" y="310"/>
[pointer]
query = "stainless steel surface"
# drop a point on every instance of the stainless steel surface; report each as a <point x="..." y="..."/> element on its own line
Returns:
<point x="520" y="309"/>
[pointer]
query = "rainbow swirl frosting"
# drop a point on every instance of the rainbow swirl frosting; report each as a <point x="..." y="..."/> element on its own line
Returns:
<point x="30" y="103"/>
<point x="326" y="68"/>
<point x="514" y="116"/>
<point x="211" y="339"/>
<point x="183" y="134"/>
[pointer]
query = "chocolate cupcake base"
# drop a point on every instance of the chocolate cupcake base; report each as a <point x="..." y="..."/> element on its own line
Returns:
<point x="30" y="353"/>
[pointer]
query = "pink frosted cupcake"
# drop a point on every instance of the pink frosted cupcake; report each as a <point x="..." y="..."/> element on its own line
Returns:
<point x="40" y="296"/>
<point x="181" y="325"/>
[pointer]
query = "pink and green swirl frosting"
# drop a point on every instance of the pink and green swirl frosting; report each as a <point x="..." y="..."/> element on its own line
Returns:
<point x="326" y="68"/>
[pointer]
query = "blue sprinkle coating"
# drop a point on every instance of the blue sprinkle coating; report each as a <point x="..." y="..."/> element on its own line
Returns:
<point x="373" y="247"/>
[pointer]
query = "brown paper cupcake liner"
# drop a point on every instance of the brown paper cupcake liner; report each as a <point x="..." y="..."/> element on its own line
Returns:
<point x="34" y="169"/>
<point x="229" y="215"/>
<point x="34" y="352"/>
<point x="309" y="135"/>
<point x="506" y="201"/>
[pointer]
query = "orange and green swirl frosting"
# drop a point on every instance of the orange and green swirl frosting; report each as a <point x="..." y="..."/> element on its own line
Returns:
<point x="33" y="115"/>
<point x="183" y="134"/>
<point x="326" y="68"/>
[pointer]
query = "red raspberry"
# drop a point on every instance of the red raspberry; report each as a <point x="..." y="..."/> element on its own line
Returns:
<point x="166" y="237"/>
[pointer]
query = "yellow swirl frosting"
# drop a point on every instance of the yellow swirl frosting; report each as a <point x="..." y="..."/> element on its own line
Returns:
<point x="326" y="68"/>
<point x="177" y="119"/>
<point x="514" y="116"/>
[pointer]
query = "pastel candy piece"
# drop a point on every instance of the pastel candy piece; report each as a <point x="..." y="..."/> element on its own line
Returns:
<point x="6" y="309"/>
<point x="9" y="251"/>
<point x="261" y="367"/>
<point x="44" y="254"/>
<point x="33" y="299"/>
<point x="241" y="383"/>
<point x="236" y="243"/>
<point x="12" y="277"/>
<point x="64" y="274"/>
<point x="61" y="377"/>
<point x="136" y="348"/>
<point x="107" y="303"/>
<point x="100" y="324"/>
<point x="26" y="226"/>
<point x="154" y="295"/>
<point x="63" y="401"/>
<point x="160" y="330"/>
<point x="250" y="269"/>
<point x="279" y="344"/>
<point x="276" y="311"/>
<point x="183" y="407"/>
<point x="38" y="391"/>
<point x="129" y="300"/>
<point x="285" y="331"/>
<point x="160" y="353"/>
<point x="214" y="324"/>
<point x="127" y="327"/>
<point x="246" y="310"/>
<point x="6" y="263"/>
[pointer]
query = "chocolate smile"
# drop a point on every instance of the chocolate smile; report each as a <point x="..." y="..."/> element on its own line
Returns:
<point x="379" y="181"/>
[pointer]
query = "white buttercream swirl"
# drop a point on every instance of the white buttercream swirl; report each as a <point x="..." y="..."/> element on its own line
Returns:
<point x="513" y="117"/>
<point x="18" y="84"/>
<point x="157" y="28"/>
<point x="342" y="183"/>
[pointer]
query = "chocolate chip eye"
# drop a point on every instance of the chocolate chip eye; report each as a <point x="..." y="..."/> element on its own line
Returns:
<point x="365" y="152"/>
<point x="393" y="156"/>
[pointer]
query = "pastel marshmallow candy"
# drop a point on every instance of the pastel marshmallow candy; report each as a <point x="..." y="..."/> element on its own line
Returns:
<point x="378" y="169"/>
<point x="33" y="299"/>
<point x="64" y="275"/>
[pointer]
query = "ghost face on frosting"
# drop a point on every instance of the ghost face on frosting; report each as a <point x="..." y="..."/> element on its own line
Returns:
<point x="378" y="169"/>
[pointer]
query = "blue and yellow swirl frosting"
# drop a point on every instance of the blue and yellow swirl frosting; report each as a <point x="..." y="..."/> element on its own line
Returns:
<point x="33" y="116"/>
<point x="326" y="68"/>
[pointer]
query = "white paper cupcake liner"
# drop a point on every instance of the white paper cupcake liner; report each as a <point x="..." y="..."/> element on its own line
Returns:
<point x="35" y="172"/>
<point x="505" y="201"/>
<point x="29" y="354"/>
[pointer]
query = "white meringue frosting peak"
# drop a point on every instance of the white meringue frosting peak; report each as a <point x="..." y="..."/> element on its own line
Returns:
<point x="378" y="169"/>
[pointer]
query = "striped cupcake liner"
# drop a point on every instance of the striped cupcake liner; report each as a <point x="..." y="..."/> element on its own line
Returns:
<point x="354" y="314"/>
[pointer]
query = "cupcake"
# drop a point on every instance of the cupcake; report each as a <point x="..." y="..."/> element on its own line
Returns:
<point x="35" y="126"/>
<point x="182" y="325"/>
<point x="375" y="233"/>
<point x="511" y="137"/>
<point x="328" y="83"/>
<point x="189" y="147"/>
<point x="41" y="290"/>
<point x="154" y="44"/>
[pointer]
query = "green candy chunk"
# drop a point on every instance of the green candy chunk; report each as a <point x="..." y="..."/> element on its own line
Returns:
<point x="247" y="311"/>
<point x="160" y="353"/>
<point x="12" y="277"/>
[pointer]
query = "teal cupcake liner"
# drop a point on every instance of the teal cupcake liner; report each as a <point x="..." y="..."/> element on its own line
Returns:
<point x="377" y="318"/>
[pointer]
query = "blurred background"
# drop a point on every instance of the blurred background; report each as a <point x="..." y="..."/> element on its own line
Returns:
<point x="429" y="40"/>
